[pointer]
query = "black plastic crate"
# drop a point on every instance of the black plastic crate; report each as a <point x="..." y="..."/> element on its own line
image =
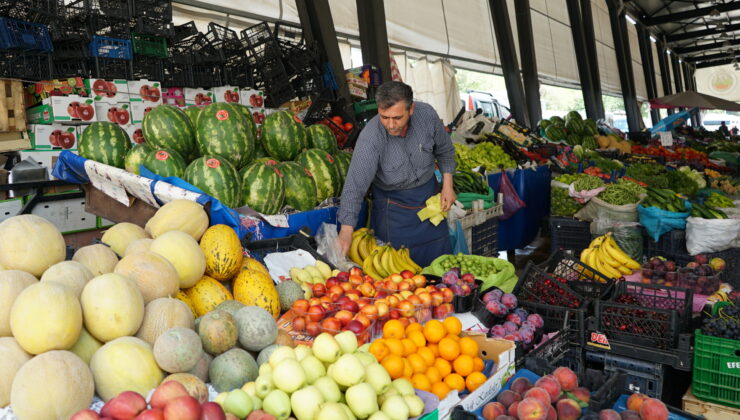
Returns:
<point x="119" y="9"/>
<point x="537" y="285"/>
<point x="72" y="24"/>
<point x="581" y="278"/>
<point x="224" y="38"/>
<point x="237" y="71"/>
<point x="671" y="242"/>
<point x="484" y="240"/>
<point x="569" y="233"/>
<point x="206" y="75"/>
<point x="71" y="49"/>
<point x="111" y="68"/>
<point x="639" y="376"/>
<point x="177" y="74"/>
<point x="257" y="35"/>
<point x="731" y="273"/>
<point x="107" y="26"/>
<point x="23" y="65"/>
<point x="278" y="93"/>
<point x="301" y="240"/>
<point x="153" y="26"/>
<point x="149" y="68"/>
<point x="185" y="30"/>
<point x="481" y="313"/>
<point x="558" y="317"/>
<point x="158" y="9"/>
<point x="71" y="68"/>
<point x="557" y="351"/>
<point x="38" y="11"/>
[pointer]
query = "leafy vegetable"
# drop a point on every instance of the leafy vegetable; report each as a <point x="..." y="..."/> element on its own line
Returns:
<point x="587" y="183"/>
<point x="483" y="154"/>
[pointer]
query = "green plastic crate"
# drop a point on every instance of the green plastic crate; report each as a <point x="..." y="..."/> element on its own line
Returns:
<point x="153" y="46"/>
<point x="716" y="370"/>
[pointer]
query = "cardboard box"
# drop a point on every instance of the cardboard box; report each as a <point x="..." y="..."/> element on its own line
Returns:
<point x="258" y="114"/>
<point x="108" y="91"/>
<point x="37" y="92"/>
<point x="68" y="215"/>
<point x="10" y="208"/>
<point x="357" y="91"/>
<point x="226" y="94"/>
<point x="252" y="97"/>
<point x="71" y="109"/>
<point x="356" y="80"/>
<point x="119" y="113"/>
<point x="173" y="96"/>
<point x="14" y="140"/>
<point x="55" y="136"/>
<point x="198" y="96"/>
<point x="145" y="91"/>
<point x="134" y="132"/>
<point x="138" y="110"/>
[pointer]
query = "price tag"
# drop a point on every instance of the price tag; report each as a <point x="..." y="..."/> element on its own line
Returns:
<point x="666" y="138"/>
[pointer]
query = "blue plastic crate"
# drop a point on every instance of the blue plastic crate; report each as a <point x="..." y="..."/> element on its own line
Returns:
<point x="105" y="47"/>
<point x="24" y="36"/>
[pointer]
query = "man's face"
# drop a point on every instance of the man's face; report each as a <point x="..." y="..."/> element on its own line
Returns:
<point x="395" y="118"/>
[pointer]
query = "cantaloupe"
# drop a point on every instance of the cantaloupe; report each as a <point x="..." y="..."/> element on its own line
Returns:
<point x="223" y="252"/>
<point x="184" y="253"/>
<point x="201" y="368"/>
<point x="232" y="369"/>
<point x="113" y="307"/>
<point x="86" y="346"/>
<point x="180" y="215"/>
<point x="288" y="292"/>
<point x="98" y="258"/>
<point x="230" y="306"/>
<point x="53" y="385"/>
<point x="12" y="283"/>
<point x="139" y="245"/>
<point x="120" y="235"/>
<point x="162" y="314"/>
<point x="69" y="273"/>
<point x="257" y="328"/>
<point x="46" y="316"/>
<point x="13" y="357"/>
<point x="256" y="288"/>
<point x="152" y="273"/>
<point x="125" y="364"/>
<point x="207" y="294"/>
<point x="177" y="350"/>
<point x="194" y="385"/>
<point x="218" y="332"/>
<point x="30" y="243"/>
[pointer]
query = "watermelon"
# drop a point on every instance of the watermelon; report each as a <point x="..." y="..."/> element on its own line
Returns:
<point x="216" y="177"/>
<point x="282" y="136"/>
<point x="259" y="151"/>
<point x="342" y="159"/>
<point x="224" y="131"/>
<point x="324" y="170"/>
<point x="135" y="157"/>
<point x="104" y="142"/>
<point x="250" y="121"/>
<point x="573" y="115"/>
<point x="544" y="124"/>
<point x="263" y="188"/>
<point x="557" y="120"/>
<point x="555" y="133"/>
<point x="193" y="112"/>
<point x="165" y="163"/>
<point x="301" y="191"/>
<point x="167" y="127"/>
<point x="575" y="126"/>
<point x="321" y="137"/>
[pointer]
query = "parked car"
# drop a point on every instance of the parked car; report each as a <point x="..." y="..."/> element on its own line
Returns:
<point x="472" y="100"/>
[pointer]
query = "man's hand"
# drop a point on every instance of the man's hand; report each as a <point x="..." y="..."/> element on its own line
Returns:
<point x="345" y="238"/>
<point x="447" y="196"/>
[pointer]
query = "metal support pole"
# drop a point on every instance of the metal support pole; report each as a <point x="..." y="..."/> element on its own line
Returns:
<point x="593" y="58"/>
<point x="373" y="35"/>
<point x="584" y="70"/>
<point x="509" y="62"/>
<point x="624" y="63"/>
<point x="648" y="68"/>
<point x="529" y="60"/>
<point x="664" y="71"/>
<point x="676" y="67"/>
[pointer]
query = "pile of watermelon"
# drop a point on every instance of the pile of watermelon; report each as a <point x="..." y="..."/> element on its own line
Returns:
<point x="216" y="148"/>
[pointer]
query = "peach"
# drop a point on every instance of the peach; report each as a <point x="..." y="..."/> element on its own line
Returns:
<point x="125" y="406"/>
<point x="258" y="415"/>
<point x="552" y="414"/>
<point x="629" y="415"/>
<point x="521" y="385"/>
<point x="635" y="401"/>
<point x="182" y="408"/>
<point x="86" y="414"/>
<point x="151" y="414"/>
<point x="493" y="410"/>
<point x="551" y="385"/>
<point x="582" y="394"/>
<point x="540" y="394"/>
<point x="230" y="416"/>
<point x="566" y="377"/>
<point x="531" y="409"/>
<point x="653" y="409"/>
<point x="512" y="409"/>
<point x="212" y="411"/>
<point x="568" y="409"/>
<point x="609" y="414"/>
<point x="508" y="397"/>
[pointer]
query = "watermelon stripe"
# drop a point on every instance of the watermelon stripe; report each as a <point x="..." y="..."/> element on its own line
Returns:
<point x="104" y="142"/>
<point x="216" y="177"/>
<point x="135" y="157"/>
<point x="324" y="170"/>
<point x="224" y="131"/>
<point x="282" y="136"/>
<point x="165" y="163"/>
<point x="301" y="191"/>
<point x="263" y="188"/>
<point x="167" y="127"/>
<point x="321" y="137"/>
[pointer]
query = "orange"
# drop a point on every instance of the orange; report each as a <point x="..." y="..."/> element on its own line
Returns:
<point x="444" y="367"/>
<point x="463" y="365"/>
<point x="427" y="355"/>
<point x="448" y="349"/>
<point x="434" y="331"/>
<point x="440" y="389"/>
<point x="478" y="364"/>
<point x="394" y="346"/>
<point x="474" y="380"/>
<point x="455" y="381"/>
<point x="408" y="370"/>
<point x="434" y="348"/>
<point x="408" y="346"/>
<point x="433" y="374"/>
<point x="393" y="329"/>
<point x="393" y="364"/>
<point x="414" y="326"/>
<point x="453" y="337"/>
<point x="379" y="349"/>
<point x="417" y="363"/>
<point x="420" y="381"/>
<point x="417" y="337"/>
<point x="452" y="325"/>
<point x="469" y="346"/>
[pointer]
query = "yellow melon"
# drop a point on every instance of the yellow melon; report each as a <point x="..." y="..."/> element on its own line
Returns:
<point x="184" y="298"/>
<point x="46" y="316"/>
<point x="120" y="235"/>
<point x="152" y="273"/>
<point x="183" y="252"/>
<point x="256" y="288"/>
<point x="30" y="243"/>
<point x="69" y="273"/>
<point x="223" y="252"/>
<point x="13" y="357"/>
<point x="161" y="315"/>
<point x="125" y="364"/>
<point x="113" y="307"/>
<point x="98" y="258"/>
<point x="181" y="215"/>
<point x="139" y="245"/>
<point x="12" y="283"/>
<point x="86" y="346"/>
<point x="249" y="263"/>
<point x="207" y="294"/>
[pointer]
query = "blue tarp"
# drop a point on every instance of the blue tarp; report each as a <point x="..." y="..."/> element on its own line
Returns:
<point x="673" y="121"/>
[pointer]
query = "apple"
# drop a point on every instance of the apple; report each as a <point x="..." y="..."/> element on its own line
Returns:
<point x="377" y="376"/>
<point x="124" y="406"/>
<point x="383" y="308"/>
<point x="407" y="274"/>
<point x="122" y="117"/>
<point x="347" y="341"/>
<point x="67" y="140"/>
<point x="347" y="371"/>
<point x="326" y="348"/>
<point x="362" y="399"/>
<point x="212" y="411"/>
<point x="312" y="368"/>
<point x="100" y="87"/>
<point x="344" y="317"/>
<point x="328" y="388"/>
<point x="183" y="408"/>
<point x="86" y="112"/>
<point x="288" y="375"/>
<point x="54" y="137"/>
<point x="279" y="354"/>
<point x="238" y="403"/>
<point x="395" y="407"/>
<point x="112" y="114"/>
<point x="318" y="289"/>
<point x="355" y="327"/>
<point x="277" y="403"/>
<point x="333" y="411"/>
<point x="350" y="305"/>
<point x="158" y="414"/>
<point x="302" y="351"/>
<point x="306" y="403"/>
<point x="86" y="414"/>
<point x="300" y="306"/>
<point x="332" y="281"/>
<point x="363" y="319"/>
<point x="263" y="384"/>
<point x="313" y="328"/>
<point x="370" y="311"/>
<point x="112" y="90"/>
<point x="167" y="392"/>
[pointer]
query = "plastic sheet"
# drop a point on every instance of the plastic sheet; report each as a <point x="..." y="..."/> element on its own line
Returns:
<point x="658" y="221"/>
<point x="711" y="235"/>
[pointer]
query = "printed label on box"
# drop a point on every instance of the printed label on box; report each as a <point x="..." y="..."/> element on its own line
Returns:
<point x="67" y="109"/>
<point x="173" y="96"/>
<point x="258" y="114"/>
<point x="134" y="133"/>
<point x="139" y="109"/>
<point x="145" y="91"/>
<point x="228" y="94"/>
<point x="253" y="98"/>
<point x="198" y="96"/>
<point x="55" y="136"/>
<point x="116" y="113"/>
<point x="109" y="91"/>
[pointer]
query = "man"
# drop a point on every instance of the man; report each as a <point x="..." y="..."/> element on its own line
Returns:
<point x="734" y="130"/>
<point x="724" y="130"/>
<point x="396" y="154"/>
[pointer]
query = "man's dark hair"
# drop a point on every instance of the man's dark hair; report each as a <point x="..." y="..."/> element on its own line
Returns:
<point x="390" y="93"/>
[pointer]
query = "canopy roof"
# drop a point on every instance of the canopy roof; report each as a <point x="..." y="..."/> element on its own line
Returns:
<point x="691" y="99"/>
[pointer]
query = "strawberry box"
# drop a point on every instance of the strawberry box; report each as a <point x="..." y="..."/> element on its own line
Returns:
<point x="145" y="91"/>
<point x="226" y="94"/>
<point x="108" y="91"/>
<point x="252" y="98"/>
<point x="63" y="109"/>
<point x="116" y="113"/>
<point x="198" y="96"/>
<point x="54" y="136"/>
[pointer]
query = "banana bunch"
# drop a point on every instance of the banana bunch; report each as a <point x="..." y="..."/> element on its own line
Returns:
<point x="386" y="260"/>
<point x="310" y="274"/>
<point x="605" y="255"/>
<point x="363" y="243"/>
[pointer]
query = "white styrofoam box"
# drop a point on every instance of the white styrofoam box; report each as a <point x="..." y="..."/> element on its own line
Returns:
<point x="54" y="136"/>
<point x="198" y="96"/>
<point x="67" y="215"/>
<point x="134" y="132"/>
<point x="45" y="158"/>
<point x="252" y="98"/>
<point x="226" y="94"/>
<point x="139" y="109"/>
<point x="146" y="91"/>
<point x="10" y="208"/>
<point x="110" y="91"/>
<point x="116" y="113"/>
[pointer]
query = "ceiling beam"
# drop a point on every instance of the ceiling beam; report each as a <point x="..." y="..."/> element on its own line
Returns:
<point x="690" y="14"/>
<point x="711" y="57"/>
<point x="706" y="47"/>
<point x="714" y="63"/>
<point x="702" y="33"/>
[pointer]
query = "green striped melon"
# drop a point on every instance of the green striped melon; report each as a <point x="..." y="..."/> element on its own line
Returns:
<point x="263" y="188"/>
<point x="135" y="157"/>
<point x="250" y="122"/>
<point x="104" y="142"/>
<point x="224" y="131"/>
<point x="267" y="160"/>
<point x="321" y="137"/>
<point x="165" y="163"/>
<point x="216" y="177"/>
<point x="168" y="127"/>
<point x="301" y="191"/>
<point x="342" y="159"/>
<point x="283" y="137"/>
<point x="193" y="112"/>
<point x="324" y="170"/>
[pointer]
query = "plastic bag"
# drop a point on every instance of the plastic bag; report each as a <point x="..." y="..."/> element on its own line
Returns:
<point x="710" y="235"/>
<point x="328" y="246"/>
<point x="600" y="209"/>
<point x="628" y="235"/>
<point x="512" y="202"/>
<point x="504" y="278"/>
<point x="584" y="196"/>
<point x="658" y="221"/>
<point x="467" y="199"/>
<point x="457" y="238"/>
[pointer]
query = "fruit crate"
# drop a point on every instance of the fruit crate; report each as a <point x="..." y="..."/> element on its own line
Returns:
<point x="105" y="47"/>
<point x="152" y="26"/>
<point x="461" y="304"/>
<point x="559" y="317"/>
<point x="693" y="405"/>
<point x="561" y="282"/>
<point x="481" y="313"/>
<point x="716" y="375"/>
<point x="569" y="233"/>
<point x="301" y="240"/>
<point x="237" y="71"/>
<point x="206" y="75"/>
<point x="148" y="68"/>
<point x="111" y="68"/>
<point x="583" y="279"/>
<point x="484" y="238"/>
<point x="557" y="351"/>
<point x="157" y="9"/>
<point x="150" y="45"/>
<point x="64" y="69"/>
<point x="27" y="66"/>
<point x="197" y="49"/>
<point x="731" y="273"/>
<point x="672" y="242"/>
<point x="257" y="35"/>
<point x="118" y="9"/>
<point x="224" y="38"/>
<point x="641" y="376"/>
<point x="321" y="111"/>
<point x="185" y="30"/>
<point x="37" y="11"/>
<point x="109" y="27"/>
<point x="72" y="24"/>
<point x="176" y="74"/>
<point x="24" y="36"/>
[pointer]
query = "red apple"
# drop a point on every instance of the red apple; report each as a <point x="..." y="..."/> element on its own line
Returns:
<point x="100" y="87"/>
<point x="122" y="116"/>
<point x="355" y="270"/>
<point x="125" y="406"/>
<point x="182" y="408"/>
<point x="167" y="392"/>
<point x="332" y="281"/>
<point x="151" y="414"/>
<point x="407" y="274"/>
<point x="85" y="415"/>
<point x="212" y="411"/>
<point x="112" y="114"/>
<point x="363" y="319"/>
<point x="112" y="90"/>
<point x="343" y="276"/>
<point x="86" y="112"/>
<point x="54" y="137"/>
<point x="350" y="305"/>
<point x="67" y="140"/>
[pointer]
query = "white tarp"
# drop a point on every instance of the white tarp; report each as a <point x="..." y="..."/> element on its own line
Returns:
<point x="720" y="81"/>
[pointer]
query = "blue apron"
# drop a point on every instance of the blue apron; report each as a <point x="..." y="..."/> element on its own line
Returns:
<point x="395" y="221"/>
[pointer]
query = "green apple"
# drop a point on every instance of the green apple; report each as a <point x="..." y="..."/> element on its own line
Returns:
<point x="331" y="411"/>
<point x="220" y="398"/>
<point x="348" y="371"/>
<point x="265" y="368"/>
<point x="313" y="368"/>
<point x="387" y="394"/>
<point x="277" y="403"/>
<point x="362" y="399"/>
<point x="326" y="348"/>
<point x="395" y="407"/>
<point x="416" y="405"/>
<point x="264" y="385"/>
<point x="250" y="388"/>
<point x="378" y="377"/>
<point x="301" y="351"/>
<point x="306" y="402"/>
<point x="403" y="386"/>
<point x="379" y="415"/>
<point x="348" y="412"/>
<point x="288" y="375"/>
<point x="328" y="388"/>
<point x="280" y="353"/>
<point x="347" y="341"/>
<point x="256" y="402"/>
<point x="367" y="359"/>
<point x="364" y="348"/>
<point x="238" y="403"/>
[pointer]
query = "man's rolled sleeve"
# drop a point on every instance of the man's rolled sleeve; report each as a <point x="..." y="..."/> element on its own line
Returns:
<point x="443" y="149"/>
<point x="362" y="170"/>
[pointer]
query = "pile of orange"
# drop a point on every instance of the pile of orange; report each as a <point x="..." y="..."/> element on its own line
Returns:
<point x="433" y="357"/>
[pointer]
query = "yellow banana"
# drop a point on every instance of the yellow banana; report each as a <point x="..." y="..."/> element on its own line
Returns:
<point x="584" y="255"/>
<point x="354" y="253"/>
<point x="370" y="242"/>
<point x="358" y="234"/>
<point x="597" y="241"/>
<point x="398" y="262"/>
<point x="413" y="266"/>
<point x="386" y="260"/>
<point x="607" y="270"/>
<point x="378" y="262"/>
<point x="369" y="268"/>
<point x="606" y="258"/>
<point x="591" y="262"/>
<point x="362" y="247"/>
<point x="616" y="252"/>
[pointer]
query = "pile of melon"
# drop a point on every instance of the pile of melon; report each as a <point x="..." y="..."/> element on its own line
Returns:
<point x="121" y="315"/>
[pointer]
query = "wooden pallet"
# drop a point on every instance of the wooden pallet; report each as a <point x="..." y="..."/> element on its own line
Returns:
<point x="12" y="106"/>
<point x="710" y="411"/>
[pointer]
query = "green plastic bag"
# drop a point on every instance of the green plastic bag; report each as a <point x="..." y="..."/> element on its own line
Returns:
<point x="467" y="199"/>
<point x="504" y="278"/>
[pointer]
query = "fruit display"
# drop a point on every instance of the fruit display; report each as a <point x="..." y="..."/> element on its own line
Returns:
<point x="224" y="130"/>
<point x="379" y="262"/>
<point x="301" y="193"/>
<point x="321" y="137"/>
<point x="167" y="127"/>
<point x="702" y="275"/>
<point x="460" y="284"/>
<point x="605" y="255"/>
<point x="725" y="323"/>
<point x="725" y="184"/>
<point x="216" y="177"/>
<point x="325" y="172"/>
<point x="263" y="188"/>
<point x="478" y="267"/>
<point x="561" y="203"/>
<point x="484" y="154"/>
<point x="515" y="324"/>
<point x="104" y="142"/>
